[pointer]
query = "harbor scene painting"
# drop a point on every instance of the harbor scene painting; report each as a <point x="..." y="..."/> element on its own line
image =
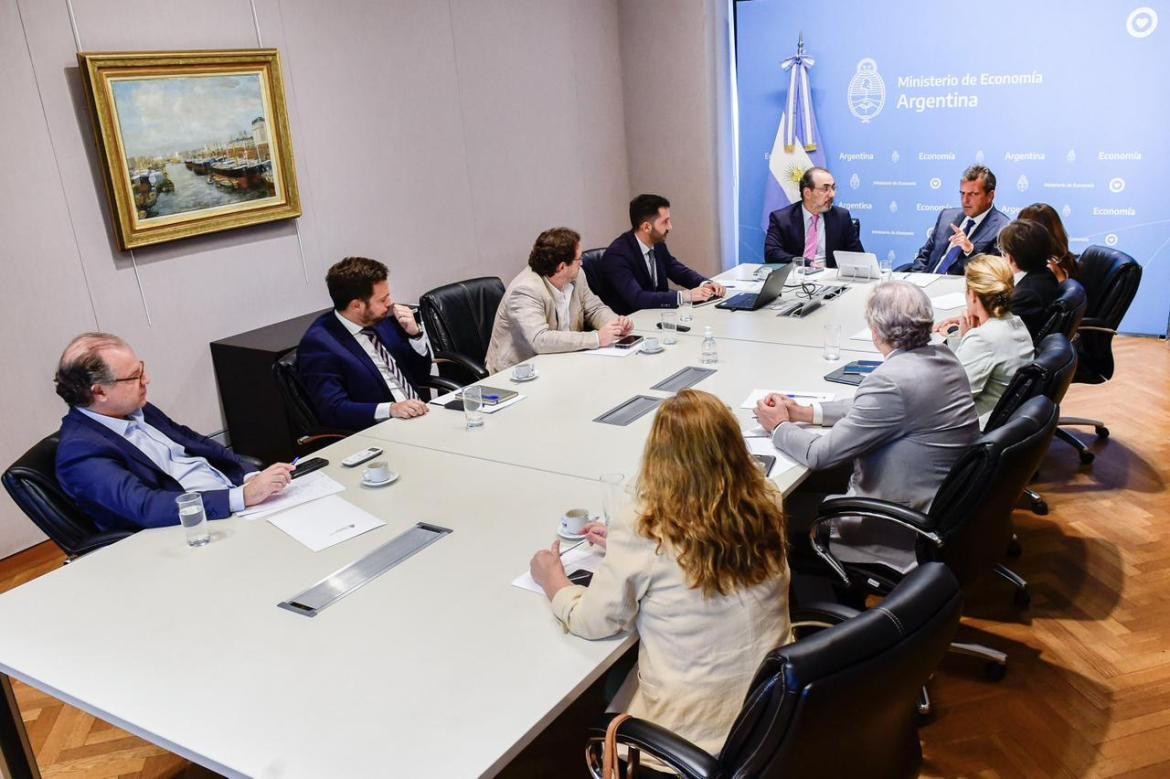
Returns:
<point x="192" y="142"/>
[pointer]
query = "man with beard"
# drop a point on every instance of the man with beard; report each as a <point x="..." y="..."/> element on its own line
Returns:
<point x="361" y="361"/>
<point x="813" y="229"/>
<point x="635" y="269"/>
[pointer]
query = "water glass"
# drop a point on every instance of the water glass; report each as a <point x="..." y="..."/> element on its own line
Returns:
<point x="473" y="407"/>
<point x="832" y="342"/>
<point x="886" y="264"/>
<point x="193" y="518"/>
<point x="686" y="309"/>
<point x="613" y="490"/>
<point x="669" y="325"/>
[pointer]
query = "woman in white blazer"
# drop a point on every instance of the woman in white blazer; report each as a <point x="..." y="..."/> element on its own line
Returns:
<point x="697" y="567"/>
<point x="993" y="342"/>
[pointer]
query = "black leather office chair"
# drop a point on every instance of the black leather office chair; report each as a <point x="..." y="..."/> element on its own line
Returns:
<point x="591" y="265"/>
<point x="32" y="483"/>
<point x="459" y="319"/>
<point x="1110" y="278"/>
<point x="969" y="524"/>
<point x="1066" y="312"/>
<point x="838" y="703"/>
<point x="307" y="429"/>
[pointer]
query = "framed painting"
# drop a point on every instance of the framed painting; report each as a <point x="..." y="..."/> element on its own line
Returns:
<point x="191" y="142"/>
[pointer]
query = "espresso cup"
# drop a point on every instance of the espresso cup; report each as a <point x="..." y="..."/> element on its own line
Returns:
<point x="650" y="345"/>
<point x="574" y="521"/>
<point x="523" y="370"/>
<point x="377" y="471"/>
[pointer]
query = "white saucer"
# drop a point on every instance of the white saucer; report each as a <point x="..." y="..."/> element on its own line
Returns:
<point x="659" y="350"/>
<point x="569" y="536"/>
<point x="393" y="477"/>
<point x="514" y="380"/>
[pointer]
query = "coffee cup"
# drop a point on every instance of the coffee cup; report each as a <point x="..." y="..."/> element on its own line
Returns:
<point x="523" y="370"/>
<point x="377" y="471"/>
<point x="574" y="521"/>
<point x="651" y="345"/>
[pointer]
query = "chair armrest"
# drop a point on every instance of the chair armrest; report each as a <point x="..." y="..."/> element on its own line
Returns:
<point x="438" y="383"/>
<point x="253" y="463"/>
<point x="822" y="614"/>
<point x="869" y="508"/>
<point x="102" y="539"/>
<point x="466" y="363"/>
<point x="904" y="267"/>
<point x="675" y="751"/>
<point x="1096" y="329"/>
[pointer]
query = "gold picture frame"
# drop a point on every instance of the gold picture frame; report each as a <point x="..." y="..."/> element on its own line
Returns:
<point x="191" y="142"/>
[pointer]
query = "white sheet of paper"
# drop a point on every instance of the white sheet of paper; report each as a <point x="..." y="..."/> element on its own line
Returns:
<point x="309" y="487"/>
<point x="802" y="397"/>
<point x="323" y="523"/>
<point x="918" y="279"/>
<point x="949" y="301"/>
<point x="764" y="446"/>
<point x="586" y="556"/>
<point x="862" y="335"/>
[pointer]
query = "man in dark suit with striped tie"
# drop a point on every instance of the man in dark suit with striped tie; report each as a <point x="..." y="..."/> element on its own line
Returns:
<point x="360" y="362"/>
<point x="961" y="233"/>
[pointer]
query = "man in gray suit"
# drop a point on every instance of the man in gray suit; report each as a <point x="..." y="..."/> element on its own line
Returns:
<point x="549" y="307"/>
<point x="908" y="423"/>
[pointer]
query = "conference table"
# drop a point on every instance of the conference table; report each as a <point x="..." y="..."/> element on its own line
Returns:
<point x="439" y="666"/>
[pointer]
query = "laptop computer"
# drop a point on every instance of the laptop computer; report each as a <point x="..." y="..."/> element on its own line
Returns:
<point x="749" y="301"/>
<point x="857" y="265"/>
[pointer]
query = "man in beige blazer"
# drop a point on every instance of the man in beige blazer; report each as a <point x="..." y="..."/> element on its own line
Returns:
<point x="549" y="308"/>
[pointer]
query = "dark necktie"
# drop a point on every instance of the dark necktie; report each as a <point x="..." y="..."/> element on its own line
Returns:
<point x="652" y="266"/>
<point x="949" y="258"/>
<point x="382" y="352"/>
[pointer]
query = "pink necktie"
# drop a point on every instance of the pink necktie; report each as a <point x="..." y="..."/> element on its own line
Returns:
<point x="810" y="240"/>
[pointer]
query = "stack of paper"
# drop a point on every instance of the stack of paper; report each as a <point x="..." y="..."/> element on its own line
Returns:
<point x="323" y="523"/>
<point x="307" y="488"/>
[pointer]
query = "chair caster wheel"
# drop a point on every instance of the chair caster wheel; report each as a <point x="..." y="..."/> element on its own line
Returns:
<point x="1087" y="458"/>
<point x="1022" y="598"/>
<point x="1014" y="549"/>
<point x="995" y="671"/>
<point x="1039" y="507"/>
<point x="1102" y="432"/>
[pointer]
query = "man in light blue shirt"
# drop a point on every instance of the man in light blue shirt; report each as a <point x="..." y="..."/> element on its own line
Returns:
<point x="123" y="461"/>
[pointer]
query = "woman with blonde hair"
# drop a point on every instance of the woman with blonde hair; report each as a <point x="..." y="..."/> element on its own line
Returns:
<point x="993" y="342"/>
<point x="697" y="567"/>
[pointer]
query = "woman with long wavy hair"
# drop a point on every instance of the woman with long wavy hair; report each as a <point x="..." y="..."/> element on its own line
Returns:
<point x="696" y="566"/>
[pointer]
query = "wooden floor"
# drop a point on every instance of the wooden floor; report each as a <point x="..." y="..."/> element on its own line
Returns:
<point x="1088" y="687"/>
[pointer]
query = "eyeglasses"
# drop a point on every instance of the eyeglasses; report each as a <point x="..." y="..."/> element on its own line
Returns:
<point x="138" y="377"/>
<point x="826" y="188"/>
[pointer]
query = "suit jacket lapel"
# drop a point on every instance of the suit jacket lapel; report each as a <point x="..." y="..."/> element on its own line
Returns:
<point x="979" y="227"/>
<point x="121" y="444"/>
<point x="640" y="263"/>
<point x="350" y="344"/>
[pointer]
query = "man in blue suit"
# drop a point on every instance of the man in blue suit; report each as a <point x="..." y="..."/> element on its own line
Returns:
<point x="361" y="362"/>
<point x="961" y="233"/>
<point x="813" y="229"/>
<point x="123" y="461"/>
<point x="635" y="269"/>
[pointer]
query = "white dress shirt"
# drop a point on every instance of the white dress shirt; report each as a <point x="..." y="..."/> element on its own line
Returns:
<point x="421" y="344"/>
<point x="194" y="474"/>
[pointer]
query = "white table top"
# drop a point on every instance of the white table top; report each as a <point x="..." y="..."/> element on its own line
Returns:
<point x="435" y="668"/>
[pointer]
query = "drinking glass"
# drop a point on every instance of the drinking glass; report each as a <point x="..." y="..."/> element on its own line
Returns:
<point x="686" y="310"/>
<point x="473" y="407"/>
<point x="193" y="518"/>
<point x="669" y="327"/>
<point x="887" y="268"/>
<point x="832" y="342"/>
<point x="613" y="490"/>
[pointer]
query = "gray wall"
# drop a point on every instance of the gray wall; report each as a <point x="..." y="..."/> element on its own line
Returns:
<point x="438" y="136"/>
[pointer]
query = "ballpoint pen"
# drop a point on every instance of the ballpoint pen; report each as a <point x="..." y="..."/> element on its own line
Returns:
<point x="571" y="548"/>
<point x="345" y="527"/>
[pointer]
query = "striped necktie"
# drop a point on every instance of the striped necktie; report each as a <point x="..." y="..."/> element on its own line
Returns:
<point x="652" y="266"/>
<point x="382" y="352"/>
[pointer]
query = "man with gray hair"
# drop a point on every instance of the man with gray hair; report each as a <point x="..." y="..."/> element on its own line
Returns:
<point x="909" y="421"/>
<point x="123" y="461"/>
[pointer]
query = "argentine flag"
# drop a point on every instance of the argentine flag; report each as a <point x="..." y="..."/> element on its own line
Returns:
<point x="798" y="142"/>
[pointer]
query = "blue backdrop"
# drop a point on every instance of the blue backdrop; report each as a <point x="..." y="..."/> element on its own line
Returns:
<point x="1064" y="101"/>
